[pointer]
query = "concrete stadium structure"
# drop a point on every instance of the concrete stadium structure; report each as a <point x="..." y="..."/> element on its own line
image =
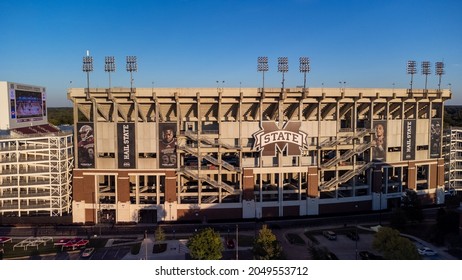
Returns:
<point x="182" y="154"/>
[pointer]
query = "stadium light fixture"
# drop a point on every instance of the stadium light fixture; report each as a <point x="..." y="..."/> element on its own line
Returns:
<point x="426" y="71"/>
<point x="87" y="68"/>
<point x="439" y="66"/>
<point x="109" y="66"/>
<point x="304" y="68"/>
<point x="283" y="67"/>
<point x="262" y="67"/>
<point x="411" y="70"/>
<point x="132" y="66"/>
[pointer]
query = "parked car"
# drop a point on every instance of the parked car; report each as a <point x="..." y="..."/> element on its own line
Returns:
<point x="331" y="256"/>
<point x="353" y="235"/>
<point x="329" y="235"/>
<point x="230" y="243"/>
<point x="88" y="252"/>
<point x="425" y="251"/>
<point x="366" y="255"/>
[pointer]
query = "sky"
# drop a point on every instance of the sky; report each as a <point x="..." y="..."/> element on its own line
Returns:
<point x="195" y="43"/>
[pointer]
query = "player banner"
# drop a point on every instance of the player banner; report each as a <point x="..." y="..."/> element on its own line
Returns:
<point x="126" y="145"/>
<point x="435" y="138"/>
<point x="167" y="145"/>
<point x="85" y="145"/>
<point x="379" y="143"/>
<point x="409" y="132"/>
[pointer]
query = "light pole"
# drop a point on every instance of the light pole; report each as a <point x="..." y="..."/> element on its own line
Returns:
<point x="132" y="66"/>
<point x="411" y="70"/>
<point x="440" y="72"/>
<point x="304" y="68"/>
<point x="237" y="242"/>
<point x="262" y="67"/>
<point x="426" y="71"/>
<point x="283" y="67"/>
<point x="87" y="68"/>
<point x="356" y="235"/>
<point x="109" y="66"/>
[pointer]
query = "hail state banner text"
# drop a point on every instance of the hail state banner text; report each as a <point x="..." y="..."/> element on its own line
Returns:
<point x="126" y="145"/>
<point x="272" y="137"/>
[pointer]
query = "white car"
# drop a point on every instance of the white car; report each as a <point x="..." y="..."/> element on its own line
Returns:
<point x="426" y="251"/>
<point x="88" y="252"/>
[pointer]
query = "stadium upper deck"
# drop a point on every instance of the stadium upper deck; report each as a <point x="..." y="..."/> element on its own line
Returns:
<point x="152" y="154"/>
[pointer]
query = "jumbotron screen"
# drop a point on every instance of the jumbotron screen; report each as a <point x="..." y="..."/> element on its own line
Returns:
<point x="29" y="104"/>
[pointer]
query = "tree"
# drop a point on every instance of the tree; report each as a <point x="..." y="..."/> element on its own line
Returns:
<point x="266" y="246"/>
<point x="159" y="235"/>
<point x="205" y="245"/>
<point x="393" y="246"/>
<point x="412" y="206"/>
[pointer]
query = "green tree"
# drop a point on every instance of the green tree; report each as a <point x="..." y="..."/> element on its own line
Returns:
<point x="159" y="234"/>
<point x="393" y="246"/>
<point x="266" y="246"/>
<point x="412" y="206"/>
<point x="205" y="245"/>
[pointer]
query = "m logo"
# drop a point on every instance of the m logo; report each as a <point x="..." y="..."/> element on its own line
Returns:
<point x="289" y="137"/>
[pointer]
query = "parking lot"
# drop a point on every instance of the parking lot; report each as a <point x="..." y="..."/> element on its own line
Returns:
<point x="344" y="247"/>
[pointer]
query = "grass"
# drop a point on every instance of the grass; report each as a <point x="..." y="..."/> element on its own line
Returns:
<point x="12" y="253"/>
<point x="9" y="252"/>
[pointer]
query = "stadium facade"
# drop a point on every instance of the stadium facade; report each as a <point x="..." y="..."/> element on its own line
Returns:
<point x="183" y="154"/>
<point x="36" y="158"/>
<point x="452" y="151"/>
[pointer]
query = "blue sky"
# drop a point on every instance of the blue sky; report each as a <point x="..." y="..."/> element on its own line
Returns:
<point x="194" y="43"/>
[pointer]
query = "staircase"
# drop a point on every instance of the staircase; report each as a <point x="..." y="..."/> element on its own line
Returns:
<point x="214" y="142"/>
<point x="328" y="186"/>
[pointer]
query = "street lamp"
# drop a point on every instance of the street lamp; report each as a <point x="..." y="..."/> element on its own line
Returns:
<point x="440" y="72"/>
<point x="283" y="67"/>
<point x="132" y="66"/>
<point x="411" y="70"/>
<point x="426" y="71"/>
<point x="109" y="66"/>
<point x="87" y="68"/>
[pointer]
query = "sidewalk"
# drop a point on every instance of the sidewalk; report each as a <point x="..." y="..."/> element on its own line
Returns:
<point x="176" y="250"/>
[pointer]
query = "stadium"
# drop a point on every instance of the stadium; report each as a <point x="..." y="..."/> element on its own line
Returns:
<point x="146" y="155"/>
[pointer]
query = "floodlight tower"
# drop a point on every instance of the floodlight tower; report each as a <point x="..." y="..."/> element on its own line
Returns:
<point x="283" y="67"/>
<point x="426" y="71"/>
<point x="87" y="68"/>
<point x="109" y="66"/>
<point x="131" y="67"/>
<point x="304" y="68"/>
<point x="439" y="66"/>
<point x="411" y="70"/>
<point x="262" y="67"/>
